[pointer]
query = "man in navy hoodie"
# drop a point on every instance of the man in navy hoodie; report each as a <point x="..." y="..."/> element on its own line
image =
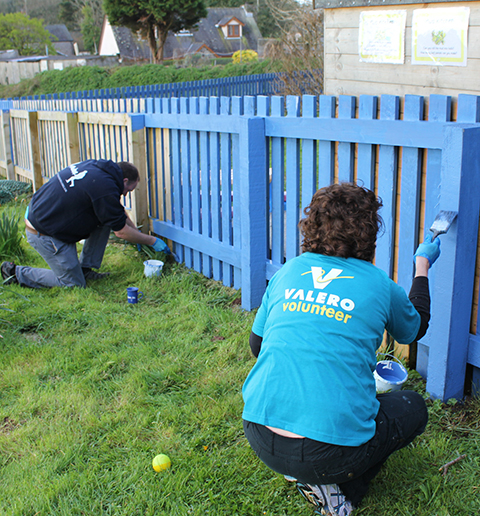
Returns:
<point x="81" y="202"/>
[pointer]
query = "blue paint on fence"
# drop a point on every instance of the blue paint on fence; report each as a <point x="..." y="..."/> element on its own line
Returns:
<point x="242" y="169"/>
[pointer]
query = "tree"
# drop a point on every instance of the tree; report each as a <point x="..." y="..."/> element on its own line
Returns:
<point x="68" y="13"/>
<point x="155" y="18"/>
<point x="47" y="10"/>
<point x="90" y="31"/>
<point x="86" y="15"/>
<point x="299" y="49"/>
<point x="27" y="35"/>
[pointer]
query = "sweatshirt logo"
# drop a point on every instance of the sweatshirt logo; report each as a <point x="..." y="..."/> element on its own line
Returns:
<point x="76" y="175"/>
<point x="321" y="280"/>
<point x="324" y="304"/>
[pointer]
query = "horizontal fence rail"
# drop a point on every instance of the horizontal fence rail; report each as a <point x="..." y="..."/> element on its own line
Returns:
<point x="226" y="180"/>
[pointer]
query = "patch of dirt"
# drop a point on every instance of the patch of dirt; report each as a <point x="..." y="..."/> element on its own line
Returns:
<point x="466" y="412"/>
<point x="8" y="425"/>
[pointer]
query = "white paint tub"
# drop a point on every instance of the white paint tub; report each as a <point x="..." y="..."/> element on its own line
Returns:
<point x="153" y="268"/>
<point x="389" y="375"/>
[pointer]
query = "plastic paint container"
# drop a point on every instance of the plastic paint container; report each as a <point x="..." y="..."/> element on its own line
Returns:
<point x="389" y="375"/>
<point x="152" y="268"/>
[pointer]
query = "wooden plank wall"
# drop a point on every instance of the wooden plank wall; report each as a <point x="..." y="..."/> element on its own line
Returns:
<point x="346" y="75"/>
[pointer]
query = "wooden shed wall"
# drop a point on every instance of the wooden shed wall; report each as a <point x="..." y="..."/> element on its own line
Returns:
<point x="346" y="75"/>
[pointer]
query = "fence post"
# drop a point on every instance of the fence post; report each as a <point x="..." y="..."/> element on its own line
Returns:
<point x="6" y="145"/>
<point x="452" y="287"/>
<point x="72" y="143"/>
<point x="253" y="197"/>
<point x="34" y="151"/>
<point x="138" y="156"/>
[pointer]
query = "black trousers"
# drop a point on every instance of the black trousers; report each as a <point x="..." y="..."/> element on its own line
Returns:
<point x="402" y="416"/>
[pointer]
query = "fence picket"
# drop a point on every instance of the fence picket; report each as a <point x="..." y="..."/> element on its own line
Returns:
<point x="346" y="151"/>
<point x="176" y="177"/>
<point x="292" y="148"/>
<point x="195" y="181"/>
<point x="277" y="190"/>
<point x="326" y="149"/>
<point x="226" y="190"/>
<point x="309" y="154"/>
<point x="367" y="110"/>
<point x="410" y="197"/>
<point x="387" y="188"/>
<point x="216" y="229"/>
<point x="237" y="110"/>
<point x="205" y="195"/>
<point x="186" y="180"/>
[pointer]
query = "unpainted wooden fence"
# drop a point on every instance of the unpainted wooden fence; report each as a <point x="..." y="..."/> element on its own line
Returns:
<point x="226" y="180"/>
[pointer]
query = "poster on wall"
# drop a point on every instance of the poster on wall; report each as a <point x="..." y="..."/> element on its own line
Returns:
<point x="439" y="36"/>
<point x="381" y="37"/>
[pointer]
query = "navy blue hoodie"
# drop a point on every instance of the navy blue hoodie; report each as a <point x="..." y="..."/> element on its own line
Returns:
<point x="78" y="199"/>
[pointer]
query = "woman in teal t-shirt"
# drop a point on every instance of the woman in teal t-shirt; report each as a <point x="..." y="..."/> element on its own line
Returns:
<point x="311" y="411"/>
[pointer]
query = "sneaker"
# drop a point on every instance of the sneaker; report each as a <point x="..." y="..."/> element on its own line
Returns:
<point x="327" y="499"/>
<point x="90" y="274"/>
<point x="8" y="273"/>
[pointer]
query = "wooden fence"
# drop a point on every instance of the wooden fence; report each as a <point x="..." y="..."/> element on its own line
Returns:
<point x="226" y="180"/>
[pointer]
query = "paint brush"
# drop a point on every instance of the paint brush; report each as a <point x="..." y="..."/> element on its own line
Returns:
<point x="442" y="223"/>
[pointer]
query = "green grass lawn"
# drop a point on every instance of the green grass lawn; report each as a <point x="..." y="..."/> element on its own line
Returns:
<point x="92" y="388"/>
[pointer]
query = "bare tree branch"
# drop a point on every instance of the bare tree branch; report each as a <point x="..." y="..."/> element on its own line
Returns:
<point x="300" y="49"/>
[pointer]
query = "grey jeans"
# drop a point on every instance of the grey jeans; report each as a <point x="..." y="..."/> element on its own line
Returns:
<point x="65" y="266"/>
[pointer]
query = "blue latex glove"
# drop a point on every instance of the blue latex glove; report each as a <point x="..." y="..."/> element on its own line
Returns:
<point x="429" y="250"/>
<point x="161" y="247"/>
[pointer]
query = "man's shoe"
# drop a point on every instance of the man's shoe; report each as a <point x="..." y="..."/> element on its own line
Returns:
<point x="327" y="499"/>
<point x="8" y="273"/>
<point x="91" y="275"/>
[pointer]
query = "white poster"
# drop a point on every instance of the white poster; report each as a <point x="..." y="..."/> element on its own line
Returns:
<point x="381" y="37"/>
<point x="439" y="36"/>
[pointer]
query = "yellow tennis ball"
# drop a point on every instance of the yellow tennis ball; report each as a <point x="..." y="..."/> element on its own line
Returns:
<point x="161" y="462"/>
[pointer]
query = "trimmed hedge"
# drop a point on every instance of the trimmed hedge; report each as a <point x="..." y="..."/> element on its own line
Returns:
<point x="94" y="77"/>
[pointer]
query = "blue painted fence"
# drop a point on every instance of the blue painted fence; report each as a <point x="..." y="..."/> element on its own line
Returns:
<point x="227" y="179"/>
<point x="255" y="84"/>
<point x="243" y="169"/>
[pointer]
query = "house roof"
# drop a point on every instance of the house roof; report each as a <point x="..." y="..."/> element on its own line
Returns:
<point x="208" y="33"/>
<point x="60" y="31"/>
<point x="6" y="55"/>
<point x="226" y="20"/>
<point x="129" y="45"/>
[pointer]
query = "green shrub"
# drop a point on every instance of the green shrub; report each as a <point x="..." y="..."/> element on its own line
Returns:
<point x="139" y="75"/>
<point x="86" y="78"/>
<point x="72" y="79"/>
<point x="245" y="56"/>
<point x="10" y="189"/>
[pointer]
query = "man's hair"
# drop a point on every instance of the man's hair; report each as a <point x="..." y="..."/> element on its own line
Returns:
<point x="342" y="220"/>
<point x="130" y="171"/>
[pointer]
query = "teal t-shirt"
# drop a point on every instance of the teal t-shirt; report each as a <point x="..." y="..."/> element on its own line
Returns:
<point x="322" y="319"/>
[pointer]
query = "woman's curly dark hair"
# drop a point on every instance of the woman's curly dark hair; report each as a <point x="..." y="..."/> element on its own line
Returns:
<point x="342" y="220"/>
